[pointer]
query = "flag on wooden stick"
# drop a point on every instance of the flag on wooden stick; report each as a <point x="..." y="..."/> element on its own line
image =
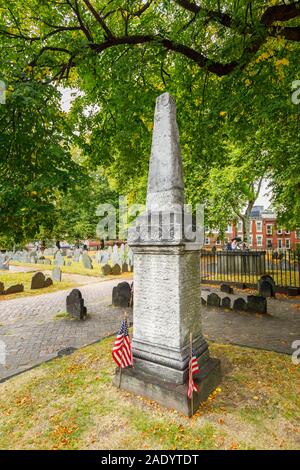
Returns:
<point x="122" y="352"/>
<point x="193" y="369"/>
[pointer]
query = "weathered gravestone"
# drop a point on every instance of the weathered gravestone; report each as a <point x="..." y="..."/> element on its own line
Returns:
<point x="106" y="270"/>
<point x="75" y="305"/>
<point x="293" y="291"/>
<point x="226" y="288"/>
<point x="256" y="304"/>
<point x="14" y="289"/>
<point x="38" y="281"/>
<point x="59" y="259"/>
<point x="213" y="300"/>
<point x="56" y="274"/>
<point x="124" y="268"/>
<point x="239" y="304"/>
<point x="87" y="262"/>
<point x="4" y="263"/>
<point x="167" y="298"/>
<point x="48" y="282"/>
<point x="121" y="295"/>
<point x="116" y="270"/>
<point x="266" y="286"/>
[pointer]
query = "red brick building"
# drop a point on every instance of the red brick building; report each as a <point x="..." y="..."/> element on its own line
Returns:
<point x="265" y="234"/>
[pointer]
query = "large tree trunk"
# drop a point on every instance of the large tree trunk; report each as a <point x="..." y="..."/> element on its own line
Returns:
<point x="246" y="221"/>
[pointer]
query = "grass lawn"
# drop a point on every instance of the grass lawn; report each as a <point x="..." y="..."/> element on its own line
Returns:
<point x="70" y="403"/>
<point x="10" y="279"/>
<point x="75" y="268"/>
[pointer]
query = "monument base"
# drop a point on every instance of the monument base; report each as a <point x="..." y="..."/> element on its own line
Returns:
<point x="171" y="395"/>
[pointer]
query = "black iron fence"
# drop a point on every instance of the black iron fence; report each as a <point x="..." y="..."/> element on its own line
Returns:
<point x="248" y="266"/>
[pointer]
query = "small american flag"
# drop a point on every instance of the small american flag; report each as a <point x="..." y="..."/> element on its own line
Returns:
<point x="193" y="369"/>
<point x="122" y="353"/>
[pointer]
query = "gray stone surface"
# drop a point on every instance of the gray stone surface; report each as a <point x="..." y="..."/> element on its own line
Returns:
<point x="167" y="298"/>
<point x="165" y="180"/>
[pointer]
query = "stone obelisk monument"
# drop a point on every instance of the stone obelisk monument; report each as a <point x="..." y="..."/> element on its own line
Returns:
<point x="167" y="300"/>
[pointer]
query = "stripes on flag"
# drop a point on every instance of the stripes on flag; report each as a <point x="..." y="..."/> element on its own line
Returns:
<point x="193" y="369"/>
<point x="122" y="352"/>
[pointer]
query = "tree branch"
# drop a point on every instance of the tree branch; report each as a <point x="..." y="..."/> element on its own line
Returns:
<point x="99" y="18"/>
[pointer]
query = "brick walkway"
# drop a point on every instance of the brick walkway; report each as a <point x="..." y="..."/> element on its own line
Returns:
<point x="33" y="335"/>
<point x="275" y="331"/>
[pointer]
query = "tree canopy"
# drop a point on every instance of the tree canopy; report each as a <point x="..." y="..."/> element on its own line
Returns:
<point x="230" y="66"/>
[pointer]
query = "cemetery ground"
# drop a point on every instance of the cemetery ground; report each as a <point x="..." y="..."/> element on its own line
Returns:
<point x="70" y="403"/>
<point x="72" y="276"/>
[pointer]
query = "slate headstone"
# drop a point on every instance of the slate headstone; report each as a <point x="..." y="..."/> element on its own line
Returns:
<point x="266" y="286"/>
<point x="256" y="304"/>
<point x="239" y="304"/>
<point x="124" y="268"/>
<point x="59" y="259"/>
<point x="106" y="270"/>
<point x="14" y="289"/>
<point x="213" y="300"/>
<point x="226" y="302"/>
<point x="75" y="305"/>
<point x="121" y="295"/>
<point x="38" y="281"/>
<point x="293" y="291"/>
<point x="48" y="282"/>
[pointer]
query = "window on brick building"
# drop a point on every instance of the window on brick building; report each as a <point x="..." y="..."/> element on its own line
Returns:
<point x="258" y="225"/>
<point x="269" y="229"/>
<point x="259" y="240"/>
<point x="288" y="243"/>
<point x="269" y="243"/>
<point x="207" y="241"/>
<point x="279" y="231"/>
<point x="279" y="243"/>
<point x="287" y="232"/>
<point x="240" y="226"/>
<point x="218" y="241"/>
